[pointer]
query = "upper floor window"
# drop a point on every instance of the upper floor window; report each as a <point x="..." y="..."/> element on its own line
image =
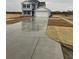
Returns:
<point x="28" y="5"/>
<point x="24" y="6"/>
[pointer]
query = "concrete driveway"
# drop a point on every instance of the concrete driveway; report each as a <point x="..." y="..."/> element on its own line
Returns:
<point x="30" y="45"/>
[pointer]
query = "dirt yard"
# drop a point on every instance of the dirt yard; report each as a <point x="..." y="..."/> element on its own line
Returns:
<point x="61" y="29"/>
<point x="55" y="21"/>
<point x="12" y="15"/>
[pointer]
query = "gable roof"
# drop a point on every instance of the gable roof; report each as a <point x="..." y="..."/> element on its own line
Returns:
<point x="33" y="1"/>
<point x="36" y="1"/>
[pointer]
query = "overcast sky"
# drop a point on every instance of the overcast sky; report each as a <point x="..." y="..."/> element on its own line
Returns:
<point x="54" y="5"/>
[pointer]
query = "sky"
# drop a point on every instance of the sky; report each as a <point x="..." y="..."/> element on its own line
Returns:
<point x="54" y="5"/>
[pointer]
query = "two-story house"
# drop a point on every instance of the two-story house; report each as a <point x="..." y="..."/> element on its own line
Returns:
<point x="29" y="7"/>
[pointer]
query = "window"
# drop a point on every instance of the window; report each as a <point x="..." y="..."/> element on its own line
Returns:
<point x="28" y="12"/>
<point x="28" y="5"/>
<point x="24" y="12"/>
<point x="24" y="6"/>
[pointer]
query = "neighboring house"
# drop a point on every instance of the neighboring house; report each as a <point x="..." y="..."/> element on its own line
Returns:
<point x="30" y="6"/>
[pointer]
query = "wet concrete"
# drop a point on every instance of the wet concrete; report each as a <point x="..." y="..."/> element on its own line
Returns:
<point x="22" y="44"/>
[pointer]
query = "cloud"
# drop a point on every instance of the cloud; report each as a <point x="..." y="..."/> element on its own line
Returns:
<point x="61" y="1"/>
<point x="59" y="6"/>
<point x="13" y="5"/>
<point x="55" y="5"/>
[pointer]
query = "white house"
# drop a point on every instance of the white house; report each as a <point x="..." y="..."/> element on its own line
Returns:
<point x="29" y="7"/>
